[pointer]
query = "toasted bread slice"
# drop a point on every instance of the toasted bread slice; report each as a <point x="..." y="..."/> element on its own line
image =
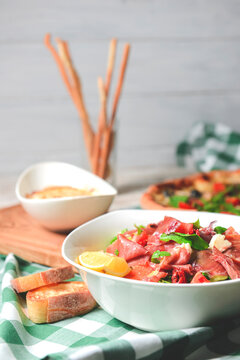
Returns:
<point x="59" y="301"/>
<point x="51" y="276"/>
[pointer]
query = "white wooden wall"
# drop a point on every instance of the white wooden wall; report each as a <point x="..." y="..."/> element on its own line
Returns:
<point x="184" y="67"/>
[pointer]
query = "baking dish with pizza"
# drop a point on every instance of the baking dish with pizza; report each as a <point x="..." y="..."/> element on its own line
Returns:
<point x="214" y="191"/>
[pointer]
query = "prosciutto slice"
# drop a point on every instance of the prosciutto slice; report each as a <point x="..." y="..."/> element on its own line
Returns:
<point x="232" y="269"/>
<point x="128" y="249"/>
<point x="179" y="256"/>
<point x="234" y="252"/>
<point x="170" y="225"/>
<point x="164" y="246"/>
<point x="204" y="261"/>
<point x="140" y="260"/>
<point x="231" y="231"/>
<point x="151" y="228"/>
<point x="146" y="273"/>
<point x="167" y="226"/>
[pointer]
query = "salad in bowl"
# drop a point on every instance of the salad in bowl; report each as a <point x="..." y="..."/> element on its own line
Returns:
<point x="170" y="251"/>
<point x="160" y="270"/>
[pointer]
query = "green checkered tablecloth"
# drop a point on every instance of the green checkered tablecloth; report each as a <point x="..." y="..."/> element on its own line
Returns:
<point x="210" y="147"/>
<point x="98" y="336"/>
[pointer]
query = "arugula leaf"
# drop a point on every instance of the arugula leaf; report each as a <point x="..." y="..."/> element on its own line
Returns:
<point x="196" y="224"/>
<point x="206" y="275"/>
<point x="219" y="197"/>
<point x="220" y="229"/>
<point x="177" y="237"/>
<point x="139" y="228"/>
<point x="218" y="204"/>
<point x="176" y="199"/>
<point x="212" y="207"/>
<point x="157" y="254"/>
<point x="197" y="206"/>
<point x="195" y="241"/>
<point x="166" y="280"/>
<point x="231" y="188"/>
<point x="231" y="208"/>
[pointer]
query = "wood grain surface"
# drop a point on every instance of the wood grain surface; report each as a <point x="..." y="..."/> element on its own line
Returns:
<point x="23" y="236"/>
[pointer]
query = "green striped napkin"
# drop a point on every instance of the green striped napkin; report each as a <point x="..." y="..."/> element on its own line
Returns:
<point x="98" y="336"/>
<point x="210" y="147"/>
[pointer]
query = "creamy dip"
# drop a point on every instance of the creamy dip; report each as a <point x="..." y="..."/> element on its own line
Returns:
<point x="59" y="192"/>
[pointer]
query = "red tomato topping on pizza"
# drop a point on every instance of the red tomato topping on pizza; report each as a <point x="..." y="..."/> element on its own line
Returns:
<point x="232" y="200"/>
<point x="183" y="205"/>
<point x="217" y="187"/>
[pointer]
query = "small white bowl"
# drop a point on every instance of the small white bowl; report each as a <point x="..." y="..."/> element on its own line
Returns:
<point x="152" y="306"/>
<point x="62" y="214"/>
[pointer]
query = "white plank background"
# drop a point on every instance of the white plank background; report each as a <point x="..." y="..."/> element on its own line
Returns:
<point x="184" y="67"/>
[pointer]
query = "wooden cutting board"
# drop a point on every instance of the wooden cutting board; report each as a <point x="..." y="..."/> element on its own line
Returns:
<point x="22" y="235"/>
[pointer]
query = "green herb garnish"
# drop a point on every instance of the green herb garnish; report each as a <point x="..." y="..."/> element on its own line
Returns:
<point x="219" y="197"/>
<point x="231" y="188"/>
<point x="231" y="209"/>
<point x="212" y="207"/>
<point x="115" y="237"/>
<point x="196" y="224"/>
<point x="220" y="229"/>
<point x="176" y="199"/>
<point x="166" y="280"/>
<point x="218" y="203"/>
<point x="194" y="240"/>
<point x="139" y="228"/>
<point x="206" y="275"/>
<point x="116" y="252"/>
<point x="157" y="254"/>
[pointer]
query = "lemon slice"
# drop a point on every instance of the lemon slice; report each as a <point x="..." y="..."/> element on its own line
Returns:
<point x="94" y="260"/>
<point x="116" y="266"/>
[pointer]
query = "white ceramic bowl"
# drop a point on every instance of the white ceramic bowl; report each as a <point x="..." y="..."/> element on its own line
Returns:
<point x="67" y="213"/>
<point x="152" y="306"/>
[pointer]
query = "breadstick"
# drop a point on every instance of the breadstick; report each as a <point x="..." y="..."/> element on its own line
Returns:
<point x="102" y="122"/>
<point x="110" y="66"/>
<point x="77" y="94"/>
<point x="47" y="42"/>
<point x="109" y="132"/>
<point x="120" y="81"/>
